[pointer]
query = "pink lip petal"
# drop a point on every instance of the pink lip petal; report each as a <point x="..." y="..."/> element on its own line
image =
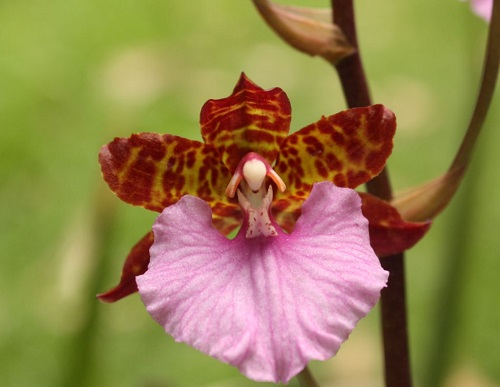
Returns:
<point x="266" y="305"/>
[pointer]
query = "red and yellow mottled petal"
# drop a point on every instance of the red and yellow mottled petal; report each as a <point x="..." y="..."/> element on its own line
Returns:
<point x="348" y="149"/>
<point x="389" y="233"/>
<point x="226" y="217"/>
<point x="251" y="119"/>
<point x="136" y="264"/>
<point x="154" y="171"/>
<point x="286" y="210"/>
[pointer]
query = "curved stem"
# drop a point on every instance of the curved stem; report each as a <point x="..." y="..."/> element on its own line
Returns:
<point x="306" y="379"/>
<point x="393" y="298"/>
<point x="487" y="88"/>
<point x="445" y="334"/>
<point x="429" y="199"/>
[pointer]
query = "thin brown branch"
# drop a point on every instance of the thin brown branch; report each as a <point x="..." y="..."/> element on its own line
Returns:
<point x="486" y="91"/>
<point x="393" y="298"/>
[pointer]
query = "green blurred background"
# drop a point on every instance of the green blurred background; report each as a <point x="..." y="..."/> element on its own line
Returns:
<point x="74" y="74"/>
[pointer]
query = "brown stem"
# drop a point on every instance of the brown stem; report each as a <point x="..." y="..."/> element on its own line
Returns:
<point x="394" y="324"/>
<point x="486" y="91"/>
<point x="428" y="200"/>
<point x="354" y="84"/>
<point x="350" y="69"/>
<point x="393" y="298"/>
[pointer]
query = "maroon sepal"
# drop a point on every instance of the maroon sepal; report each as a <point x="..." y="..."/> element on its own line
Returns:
<point x="136" y="264"/>
<point x="389" y="233"/>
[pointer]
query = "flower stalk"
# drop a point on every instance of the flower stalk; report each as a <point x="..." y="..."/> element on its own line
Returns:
<point x="393" y="298"/>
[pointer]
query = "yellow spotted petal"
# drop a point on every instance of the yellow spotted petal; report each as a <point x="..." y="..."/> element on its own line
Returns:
<point x="154" y="171"/>
<point x="347" y="148"/>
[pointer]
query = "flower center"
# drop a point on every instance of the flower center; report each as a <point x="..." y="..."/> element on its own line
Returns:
<point x="253" y="168"/>
<point x="254" y="172"/>
<point x="255" y="201"/>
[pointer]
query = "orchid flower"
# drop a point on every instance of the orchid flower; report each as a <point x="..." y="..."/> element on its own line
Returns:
<point x="348" y="148"/>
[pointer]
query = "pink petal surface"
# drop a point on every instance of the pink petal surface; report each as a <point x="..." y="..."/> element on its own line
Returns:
<point x="266" y="305"/>
<point x="482" y="8"/>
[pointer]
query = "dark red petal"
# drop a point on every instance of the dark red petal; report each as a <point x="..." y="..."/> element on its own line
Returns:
<point x="136" y="264"/>
<point x="389" y="233"/>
